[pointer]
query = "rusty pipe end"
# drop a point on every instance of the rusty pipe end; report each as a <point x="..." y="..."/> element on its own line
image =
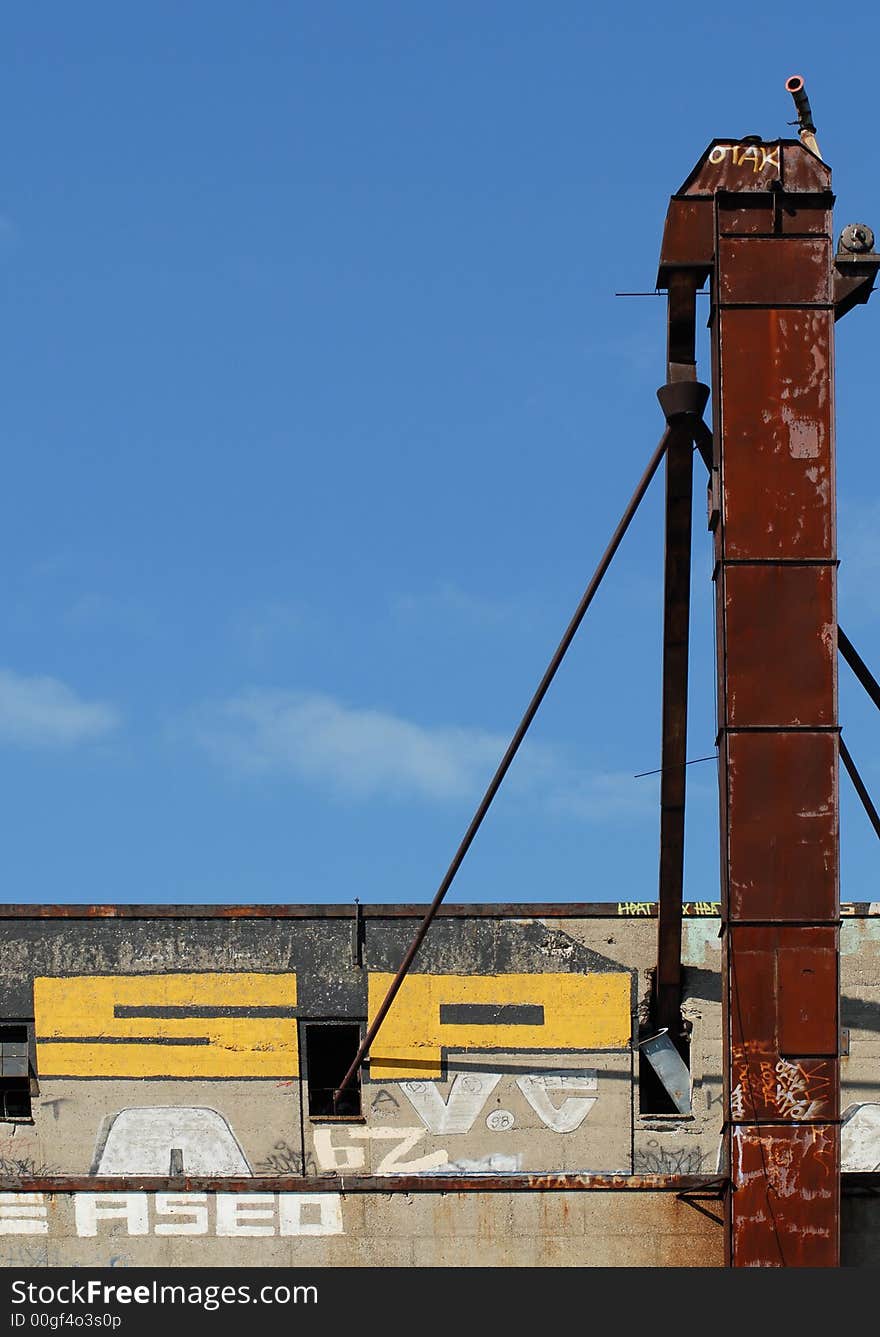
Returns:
<point x="794" y="84"/>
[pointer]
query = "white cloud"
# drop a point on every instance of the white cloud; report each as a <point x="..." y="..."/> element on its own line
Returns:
<point x="352" y="750"/>
<point x="263" y="628"/>
<point x="44" y="712"/>
<point x="603" y="796"/>
<point x="449" y="598"/>
<point x="370" y="753"/>
<point x="93" y="610"/>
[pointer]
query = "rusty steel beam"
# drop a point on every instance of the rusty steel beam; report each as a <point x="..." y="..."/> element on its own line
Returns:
<point x="504" y="765"/>
<point x="383" y="1184"/>
<point x="464" y="910"/>
<point x="757" y="218"/>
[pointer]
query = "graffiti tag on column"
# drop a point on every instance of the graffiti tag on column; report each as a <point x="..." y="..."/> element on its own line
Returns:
<point x="790" y="1090"/>
<point x="794" y="1089"/>
<point x="741" y="154"/>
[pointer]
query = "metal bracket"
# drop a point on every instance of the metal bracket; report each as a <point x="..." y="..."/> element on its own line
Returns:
<point x="854" y="276"/>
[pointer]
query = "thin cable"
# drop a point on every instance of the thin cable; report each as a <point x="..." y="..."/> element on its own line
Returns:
<point x="657" y="292"/>
<point x="661" y="769"/>
<point x="513" y="748"/>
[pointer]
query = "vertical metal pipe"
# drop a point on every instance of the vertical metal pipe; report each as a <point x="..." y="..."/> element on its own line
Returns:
<point x="680" y="368"/>
<point x="673" y="776"/>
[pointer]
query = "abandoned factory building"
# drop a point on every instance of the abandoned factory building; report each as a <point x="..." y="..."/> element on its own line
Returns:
<point x="168" y="1078"/>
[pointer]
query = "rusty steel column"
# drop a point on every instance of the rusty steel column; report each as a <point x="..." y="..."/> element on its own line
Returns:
<point x="776" y="606"/>
<point x="758" y="215"/>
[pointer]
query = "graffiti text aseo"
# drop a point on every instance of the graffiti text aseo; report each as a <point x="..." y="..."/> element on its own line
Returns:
<point x="741" y="154"/>
<point x="223" y="1214"/>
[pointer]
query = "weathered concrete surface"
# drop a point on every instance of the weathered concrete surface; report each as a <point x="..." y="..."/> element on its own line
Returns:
<point x="80" y="1128"/>
<point x="537" y="1229"/>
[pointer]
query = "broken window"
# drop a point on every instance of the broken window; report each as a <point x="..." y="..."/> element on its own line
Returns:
<point x="664" y="1076"/>
<point x="15" y="1077"/>
<point x="330" y="1050"/>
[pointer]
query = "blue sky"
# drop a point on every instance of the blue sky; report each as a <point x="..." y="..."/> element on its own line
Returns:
<point x="318" y="411"/>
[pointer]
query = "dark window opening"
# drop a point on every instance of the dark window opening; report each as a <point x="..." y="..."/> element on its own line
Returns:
<point x="653" y="1095"/>
<point x="15" y="1078"/>
<point x="330" y="1049"/>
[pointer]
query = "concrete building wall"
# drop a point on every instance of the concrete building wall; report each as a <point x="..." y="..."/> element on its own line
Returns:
<point x="529" y="1229"/>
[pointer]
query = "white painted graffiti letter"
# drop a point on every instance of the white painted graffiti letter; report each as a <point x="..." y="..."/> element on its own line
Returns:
<point x="23" y="1214"/>
<point x="332" y="1157"/>
<point x="738" y="1102"/>
<point x="392" y="1163"/>
<point x="189" y="1210"/>
<point x="309" y="1214"/>
<point x="90" y="1208"/>
<point x="456" y="1114"/>
<point x="141" y="1141"/>
<point x="246" y="1214"/>
<point x="568" y="1116"/>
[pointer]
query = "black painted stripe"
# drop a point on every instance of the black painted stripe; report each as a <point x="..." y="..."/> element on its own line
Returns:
<point x="123" y="1040"/>
<point x="491" y="1014"/>
<point x="195" y="1012"/>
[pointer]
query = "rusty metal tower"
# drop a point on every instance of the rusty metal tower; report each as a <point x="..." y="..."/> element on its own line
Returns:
<point x="754" y="218"/>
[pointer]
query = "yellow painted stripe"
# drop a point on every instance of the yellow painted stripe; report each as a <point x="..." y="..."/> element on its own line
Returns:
<point x="581" y="1012"/>
<point x="82" y="1005"/>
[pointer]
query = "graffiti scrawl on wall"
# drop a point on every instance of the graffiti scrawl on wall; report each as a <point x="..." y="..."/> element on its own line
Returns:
<point x="470" y="1092"/>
